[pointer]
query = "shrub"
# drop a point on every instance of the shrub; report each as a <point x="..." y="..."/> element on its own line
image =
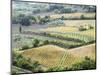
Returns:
<point x="86" y="64"/>
<point x="91" y="27"/>
<point x="83" y="28"/>
<point x="25" y="47"/>
<point x="63" y="18"/>
<point x="24" y="20"/>
<point x="35" y="43"/>
<point x="14" y="73"/>
<point x="66" y="10"/>
<point x="24" y="63"/>
<point x="82" y="17"/>
<point x="45" y="42"/>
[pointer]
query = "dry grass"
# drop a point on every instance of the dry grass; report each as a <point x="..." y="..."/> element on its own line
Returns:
<point x="54" y="56"/>
<point x="50" y="56"/>
<point x="79" y="22"/>
<point x="83" y="51"/>
<point x="71" y="15"/>
<point x="61" y="29"/>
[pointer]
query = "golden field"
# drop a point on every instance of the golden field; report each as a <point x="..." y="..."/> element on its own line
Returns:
<point x="54" y="56"/>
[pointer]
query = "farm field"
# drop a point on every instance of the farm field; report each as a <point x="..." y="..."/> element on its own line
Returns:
<point x="59" y="57"/>
<point x="53" y="38"/>
<point x="71" y="15"/>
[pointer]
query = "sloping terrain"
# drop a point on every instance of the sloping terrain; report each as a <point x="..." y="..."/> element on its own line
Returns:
<point x="83" y="51"/>
<point x="54" y="56"/>
<point x="50" y="56"/>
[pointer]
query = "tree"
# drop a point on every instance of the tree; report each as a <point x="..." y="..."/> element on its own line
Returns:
<point x="35" y="43"/>
<point x="66" y="10"/>
<point x="46" y="42"/>
<point x="34" y="20"/>
<point x="82" y="17"/>
<point x="62" y="18"/>
<point x="24" y="63"/>
<point x="20" y="29"/>
<point x="25" y="21"/>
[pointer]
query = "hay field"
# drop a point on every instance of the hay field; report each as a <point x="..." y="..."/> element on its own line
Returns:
<point x="72" y="15"/>
<point x="54" y="56"/>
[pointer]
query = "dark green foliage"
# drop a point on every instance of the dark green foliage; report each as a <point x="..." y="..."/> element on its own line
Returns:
<point x="55" y="6"/>
<point x="20" y="29"/>
<point x="66" y="10"/>
<point x="35" y="43"/>
<point x="86" y="64"/>
<point x="82" y="29"/>
<point x="34" y="20"/>
<point x="85" y="27"/>
<point x="24" y="63"/>
<point x="82" y="17"/>
<point x="36" y="11"/>
<point x="15" y="20"/>
<point x="25" y="47"/>
<point x="44" y="20"/>
<point x="14" y="73"/>
<point x="25" y="21"/>
<point x="17" y="39"/>
<point x="91" y="27"/>
<point x="46" y="42"/>
<point x="22" y="19"/>
<point x="62" y="18"/>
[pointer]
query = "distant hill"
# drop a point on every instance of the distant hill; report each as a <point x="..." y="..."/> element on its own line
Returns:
<point x="35" y="8"/>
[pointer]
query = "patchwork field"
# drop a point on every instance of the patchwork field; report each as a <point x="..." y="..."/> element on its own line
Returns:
<point x="53" y="38"/>
<point x="71" y="15"/>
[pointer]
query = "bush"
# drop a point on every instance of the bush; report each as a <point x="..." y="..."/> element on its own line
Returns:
<point x="35" y="43"/>
<point x="44" y="20"/>
<point x="66" y="10"/>
<point x="86" y="64"/>
<point x="82" y="17"/>
<point x="24" y="63"/>
<point x="91" y="27"/>
<point x="25" y="21"/>
<point x="14" y="73"/>
<point x="83" y="28"/>
<point x="45" y="42"/>
<point x="63" y="18"/>
<point x="25" y="47"/>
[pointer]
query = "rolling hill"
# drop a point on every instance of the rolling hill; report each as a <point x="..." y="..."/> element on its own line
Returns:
<point x="54" y="56"/>
<point x="50" y="56"/>
<point x="88" y="50"/>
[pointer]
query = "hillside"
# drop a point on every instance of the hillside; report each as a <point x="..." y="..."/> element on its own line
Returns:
<point x="54" y="56"/>
<point x="88" y="50"/>
<point x="50" y="56"/>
